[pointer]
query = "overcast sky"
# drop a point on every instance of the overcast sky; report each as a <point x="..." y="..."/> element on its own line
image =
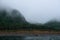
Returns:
<point x="36" y="11"/>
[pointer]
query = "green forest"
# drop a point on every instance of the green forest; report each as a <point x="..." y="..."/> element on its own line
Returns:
<point x="14" y="20"/>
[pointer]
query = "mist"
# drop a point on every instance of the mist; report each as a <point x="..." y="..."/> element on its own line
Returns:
<point x="35" y="11"/>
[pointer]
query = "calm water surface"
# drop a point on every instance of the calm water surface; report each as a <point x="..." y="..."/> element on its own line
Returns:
<point x="29" y="37"/>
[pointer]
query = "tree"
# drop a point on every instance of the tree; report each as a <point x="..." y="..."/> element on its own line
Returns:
<point x="54" y="24"/>
<point x="13" y="21"/>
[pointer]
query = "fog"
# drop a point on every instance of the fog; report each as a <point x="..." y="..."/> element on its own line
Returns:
<point x="35" y="11"/>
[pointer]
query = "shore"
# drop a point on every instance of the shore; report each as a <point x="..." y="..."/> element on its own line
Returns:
<point x="34" y="32"/>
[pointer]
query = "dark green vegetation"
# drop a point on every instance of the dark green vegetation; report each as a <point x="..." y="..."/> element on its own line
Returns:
<point x="13" y="20"/>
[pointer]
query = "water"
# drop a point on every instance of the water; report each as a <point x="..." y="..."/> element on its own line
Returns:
<point x="43" y="37"/>
<point x="27" y="37"/>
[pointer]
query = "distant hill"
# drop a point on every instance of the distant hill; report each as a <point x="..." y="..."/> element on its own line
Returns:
<point x="12" y="19"/>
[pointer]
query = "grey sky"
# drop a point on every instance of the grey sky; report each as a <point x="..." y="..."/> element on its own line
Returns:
<point x="36" y="11"/>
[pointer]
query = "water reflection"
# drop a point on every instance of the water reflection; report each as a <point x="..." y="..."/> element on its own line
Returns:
<point x="11" y="38"/>
<point x="41" y="37"/>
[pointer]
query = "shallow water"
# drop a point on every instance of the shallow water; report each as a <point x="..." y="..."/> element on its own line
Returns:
<point x="27" y="37"/>
<point x="43" y="37"/>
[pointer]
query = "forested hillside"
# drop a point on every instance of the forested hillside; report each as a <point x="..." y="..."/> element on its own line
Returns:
<point x="14" y="20"/>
